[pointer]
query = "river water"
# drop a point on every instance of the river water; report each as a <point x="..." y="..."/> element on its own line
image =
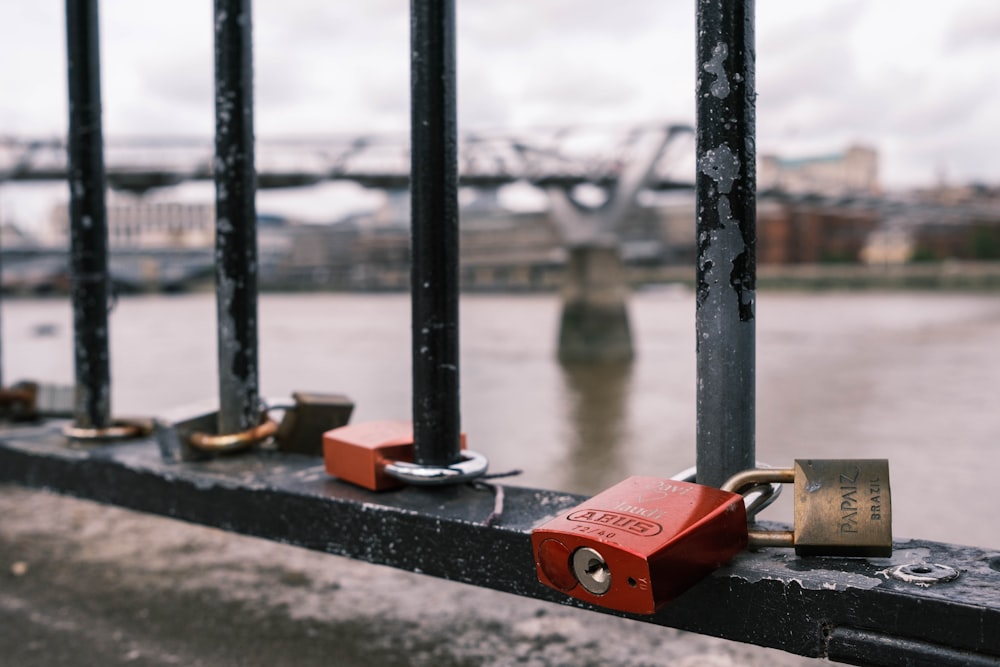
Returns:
<point x="912" y="377"/>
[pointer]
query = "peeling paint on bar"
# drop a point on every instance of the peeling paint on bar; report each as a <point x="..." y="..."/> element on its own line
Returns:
<point x="726" y="265"/>
<point x="88" y="218"/>
<point x="236" y="236"/>
<point x="722" y="166"/>
<point x="716" y="66"/>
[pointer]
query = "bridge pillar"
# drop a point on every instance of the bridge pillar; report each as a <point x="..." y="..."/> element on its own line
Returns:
<point x="594" y="324"/>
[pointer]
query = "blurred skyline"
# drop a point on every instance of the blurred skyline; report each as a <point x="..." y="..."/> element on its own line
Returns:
<point x="916" y="84"/>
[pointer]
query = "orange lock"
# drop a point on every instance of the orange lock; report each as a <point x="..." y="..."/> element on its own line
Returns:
<point x="640" y="543"/>
<point x="359" y="453"/>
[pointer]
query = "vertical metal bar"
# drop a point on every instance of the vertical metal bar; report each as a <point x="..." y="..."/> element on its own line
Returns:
<point x="236" y="217"/>
<point x="434" y="232"/>
<point x="1" y="292"/>
<point x="726" y="212"/>
<point x="88" y="218"/>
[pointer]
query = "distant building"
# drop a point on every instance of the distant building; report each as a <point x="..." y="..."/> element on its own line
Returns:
<point x="809" y="230"/>
<point x="145" y="225"/>
<point x="973" y="239"/>
<point x="889" y="244"/>
<point x="136" y="224"/>
<point x="973" y="194"/>
<point x="853" y="172"/>
<point x="500" y="248"/>
<point x="940" y="223"/>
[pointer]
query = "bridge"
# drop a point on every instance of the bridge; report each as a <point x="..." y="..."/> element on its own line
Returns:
<point x="561" y="157"/>
<point x="618" y="162"/>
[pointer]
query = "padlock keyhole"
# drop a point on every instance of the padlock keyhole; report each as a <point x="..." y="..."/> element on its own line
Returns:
<point x="591" y="570"/>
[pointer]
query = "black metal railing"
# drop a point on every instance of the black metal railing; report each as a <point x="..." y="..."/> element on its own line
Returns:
<point x="434" y="233"/>
<point x="842" y="609"/>
<point x="235" y="217"/>
<point x="726" y="266"/>
<point x="88" y="218"/>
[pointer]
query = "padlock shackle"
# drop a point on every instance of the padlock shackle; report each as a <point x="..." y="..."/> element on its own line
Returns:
<point x="231" y="442"/>
<point x="758" y="497"/>
<point x="770" y="538"/>
<point x="471" y="466"/>
<point x="741" y="480"/>
<point x="118" y="429"/>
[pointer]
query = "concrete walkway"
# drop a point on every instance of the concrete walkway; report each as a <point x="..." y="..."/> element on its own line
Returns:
<point x="84" y="584"/>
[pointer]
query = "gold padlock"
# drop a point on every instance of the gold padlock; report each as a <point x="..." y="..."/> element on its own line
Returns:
<point x="842" y="507"/>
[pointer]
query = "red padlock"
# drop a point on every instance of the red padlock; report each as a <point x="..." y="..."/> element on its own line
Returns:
<point x="359" y="453"/>
<point x="641" y="543"/>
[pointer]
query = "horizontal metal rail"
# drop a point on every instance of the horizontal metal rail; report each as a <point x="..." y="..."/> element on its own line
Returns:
<point x="847" y="610"/>
<point x="141" y="180"/>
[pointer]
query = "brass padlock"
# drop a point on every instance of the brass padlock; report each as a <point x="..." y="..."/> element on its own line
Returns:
<point x="313" y="414"/>
<point x="30" y="401"/>
<point x="842" y="507"/>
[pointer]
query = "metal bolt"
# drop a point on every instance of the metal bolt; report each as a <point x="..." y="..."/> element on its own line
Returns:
<point x="591" y="570"/>
<point x="924" y="574"/>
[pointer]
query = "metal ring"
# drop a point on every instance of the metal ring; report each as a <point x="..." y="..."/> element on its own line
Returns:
<point x="120" y="429"/>
<point x="755" y="496"/>
<point x="472" y="466"/>
<point x="229" y="442"/>
<point x="924" y="574"/>
<point x="283" y="405"/>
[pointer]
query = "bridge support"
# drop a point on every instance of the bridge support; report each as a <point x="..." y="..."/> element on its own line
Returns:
<point x="594" y="326"/>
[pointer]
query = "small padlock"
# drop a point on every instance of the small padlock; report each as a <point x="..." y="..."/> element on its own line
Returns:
<point x="30" y="401"/>
<point x="640" y="543"/>
<point x="842" y="507"/>
<point x="310" y="416"/>
<point x="379" y="455"/>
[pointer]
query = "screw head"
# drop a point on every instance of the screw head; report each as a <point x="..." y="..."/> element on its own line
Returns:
<point x="924" y="574"/>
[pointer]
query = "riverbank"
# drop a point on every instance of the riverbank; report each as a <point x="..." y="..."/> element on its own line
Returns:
<point x="951" y="275"/>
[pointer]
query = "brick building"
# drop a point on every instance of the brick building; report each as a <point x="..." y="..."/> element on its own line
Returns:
<point x="808" y="230"/>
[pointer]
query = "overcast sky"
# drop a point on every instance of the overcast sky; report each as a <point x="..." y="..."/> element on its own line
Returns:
<point x="917" y="79"/>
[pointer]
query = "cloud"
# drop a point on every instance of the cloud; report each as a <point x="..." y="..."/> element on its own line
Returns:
<point x="914" y="82"/>
<point x="564" y="87"/>
<point x="978" y="26"/>
<point x="806" y="56"/>
<point x="33" y="78"/>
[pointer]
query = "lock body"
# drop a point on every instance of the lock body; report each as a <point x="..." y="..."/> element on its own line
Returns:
<point x="842" y="508"/>
<point x="29" y="401"/>
<point x="302" y="428"/>
<point x="358" y="453"/>
<point x="640" y="543"/>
